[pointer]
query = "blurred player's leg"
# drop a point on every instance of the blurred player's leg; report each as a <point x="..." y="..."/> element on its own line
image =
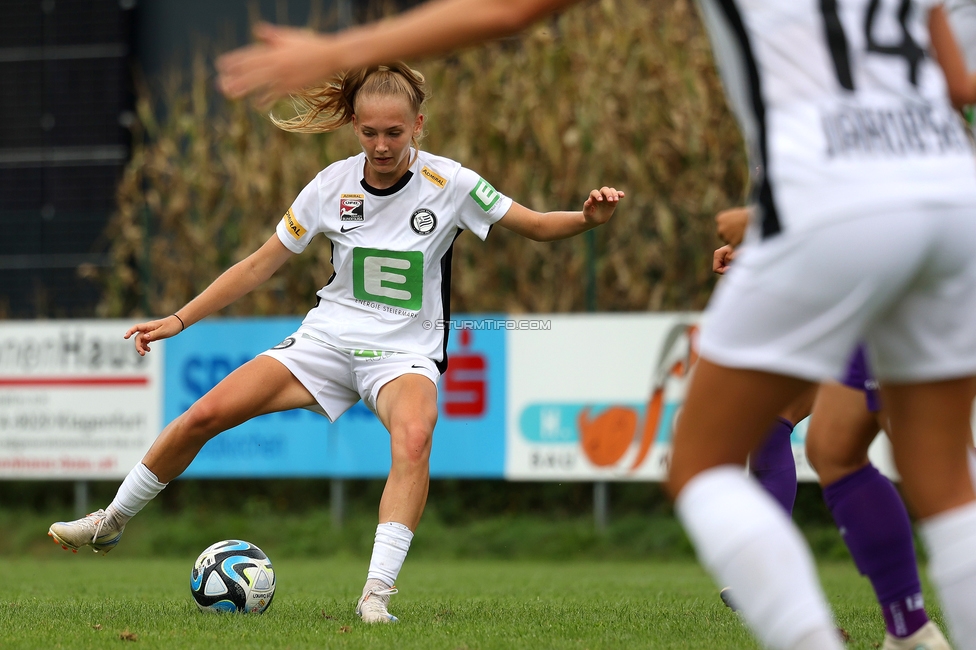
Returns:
<point x="742" y="536"/>
<point x="869" y="513"/>
<point x="262" y="385"/>
<point x="407" y="406"/>
<point x="772" y="465"/>
<point x="930" y="435"/>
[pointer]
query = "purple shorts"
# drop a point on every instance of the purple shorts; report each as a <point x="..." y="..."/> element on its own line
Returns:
<point x="859" y="376"/>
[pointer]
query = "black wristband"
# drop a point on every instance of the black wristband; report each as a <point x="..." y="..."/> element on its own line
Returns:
<point x="182" y="324"/>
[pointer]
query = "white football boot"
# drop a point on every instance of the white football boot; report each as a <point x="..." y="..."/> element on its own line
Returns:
<point x="928" y="637"/>
<point x="99" y="530"/>
<point x="374" y="601"/>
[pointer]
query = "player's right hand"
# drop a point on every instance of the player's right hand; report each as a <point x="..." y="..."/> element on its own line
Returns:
<point x="155" y="330"/>
<point x="722" y="259"/>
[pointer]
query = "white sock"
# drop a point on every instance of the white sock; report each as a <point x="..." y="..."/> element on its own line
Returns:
<point x="139" y="488"/>
<point x="951" y="540"/>
<point x="746" y="542"/>
<point x="818" y="640"/>
<point x="389" y="551"/>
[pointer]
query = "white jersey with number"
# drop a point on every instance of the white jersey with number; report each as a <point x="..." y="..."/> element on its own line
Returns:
<point x="391" y="250"/>
<point x="843" y="107"/>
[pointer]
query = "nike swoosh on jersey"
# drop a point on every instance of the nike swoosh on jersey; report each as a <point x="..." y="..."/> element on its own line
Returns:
<point x="345" y="229"/>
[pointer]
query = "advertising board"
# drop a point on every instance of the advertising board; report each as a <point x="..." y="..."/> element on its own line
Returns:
<point x="76" y="400"/>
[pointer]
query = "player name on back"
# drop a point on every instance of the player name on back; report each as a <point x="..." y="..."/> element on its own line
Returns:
<point x="909" y="129"/>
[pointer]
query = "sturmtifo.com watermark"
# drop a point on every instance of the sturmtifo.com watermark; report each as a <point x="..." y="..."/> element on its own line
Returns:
<point x="536" y="324"/>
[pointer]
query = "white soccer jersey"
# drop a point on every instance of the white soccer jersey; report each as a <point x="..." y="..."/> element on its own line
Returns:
<point x="844" y="109"/>
<point x="391" y="250"/>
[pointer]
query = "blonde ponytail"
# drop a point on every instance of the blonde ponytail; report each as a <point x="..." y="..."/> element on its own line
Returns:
<point x="325" y="109"/>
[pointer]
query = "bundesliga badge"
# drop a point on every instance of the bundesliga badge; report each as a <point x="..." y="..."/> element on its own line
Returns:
<point x="423" y="221"/>
<point x="351" y="207"/>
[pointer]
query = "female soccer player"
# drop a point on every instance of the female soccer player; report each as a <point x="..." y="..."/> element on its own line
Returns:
<point x="845" y="418"/>
<point x="377" y="331"/>
<point x="865" y="187"/>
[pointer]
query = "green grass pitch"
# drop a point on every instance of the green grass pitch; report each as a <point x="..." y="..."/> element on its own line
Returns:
<point x="88" y="601"/>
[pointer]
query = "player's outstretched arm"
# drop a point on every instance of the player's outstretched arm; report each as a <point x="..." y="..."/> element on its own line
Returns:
<point x="962" y="83"/>
<point x="233" y="283"/>
<point x="549" y="226"/>
<point x="285" y="60"/>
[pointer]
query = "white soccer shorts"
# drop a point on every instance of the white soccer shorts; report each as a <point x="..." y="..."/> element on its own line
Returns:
<point x="338" y="378"/>
<point x="796" y="304"/>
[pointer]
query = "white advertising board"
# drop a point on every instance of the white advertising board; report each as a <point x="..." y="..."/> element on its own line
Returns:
<point x="579" y="396"/>
<point x="76" y="400"/>
<point x="595" y="398"/>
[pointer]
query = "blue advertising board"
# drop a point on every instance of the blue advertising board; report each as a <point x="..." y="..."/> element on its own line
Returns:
<point x="469" y="440"/>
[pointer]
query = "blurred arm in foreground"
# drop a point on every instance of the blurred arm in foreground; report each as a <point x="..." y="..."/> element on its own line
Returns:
<point x="286" y="59"/>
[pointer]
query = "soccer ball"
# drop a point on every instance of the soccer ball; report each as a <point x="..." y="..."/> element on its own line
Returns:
<point x="233" y="576"/>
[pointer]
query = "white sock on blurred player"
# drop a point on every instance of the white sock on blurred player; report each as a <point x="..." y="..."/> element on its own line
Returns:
<point x="139" y="488"/>
<point x="389" y="551"/>
<point x="951" y="539"/>
<point x="747" y="543"/>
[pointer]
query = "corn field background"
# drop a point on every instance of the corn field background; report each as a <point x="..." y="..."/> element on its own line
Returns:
<point x="615" y="92"/>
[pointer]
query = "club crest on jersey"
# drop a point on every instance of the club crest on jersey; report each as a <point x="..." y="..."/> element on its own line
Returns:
<point x="351" y="207"/>
<point x="423" y="221"/>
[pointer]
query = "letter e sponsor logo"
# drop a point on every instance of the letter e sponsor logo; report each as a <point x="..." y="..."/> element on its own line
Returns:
<point x="485" y="195"/>
<point x="394" y="278"/>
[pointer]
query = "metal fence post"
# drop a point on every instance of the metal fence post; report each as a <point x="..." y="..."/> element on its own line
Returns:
<point x="81" y="499"/>
<point x="343" y="13"/>
<point x="337" y="499"/>
<point x="601" y="505"/>
<point x="601" y="489"/>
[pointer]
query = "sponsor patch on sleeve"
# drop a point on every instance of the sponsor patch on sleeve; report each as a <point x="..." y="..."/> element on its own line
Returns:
<point x="296" y="229"/>
<point x="485" y="195"/>
<point x="433" y="177"/>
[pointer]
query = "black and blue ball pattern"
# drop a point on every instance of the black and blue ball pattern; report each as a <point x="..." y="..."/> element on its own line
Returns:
<point x="233" y="576"/>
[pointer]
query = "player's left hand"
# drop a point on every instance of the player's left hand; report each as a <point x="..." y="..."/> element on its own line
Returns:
<point x="284" y="60"/>
<point x="600" y="205"/>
